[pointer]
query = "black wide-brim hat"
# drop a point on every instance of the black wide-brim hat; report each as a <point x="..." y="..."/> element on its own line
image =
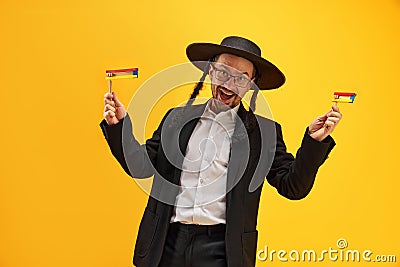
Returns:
<point x="269" y="76"/>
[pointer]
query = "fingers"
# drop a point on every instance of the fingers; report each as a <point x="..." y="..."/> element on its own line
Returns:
<point x="116" y="100"/>
<point x="331" y="121"/>
<point x="324" y="125"/>
<point x="110" y="118"/>
<point x="108" y="99"/>
<point x="112" y="99"/>
<point x="334" y="115"/>
<point x="334" y="112"/>
<point x="108" y="96"/>
<point x="329" y="125"/>
<point x="109" y="102"/>
<point x="335" y="107"/>
<point x="109" y="114"/>
<point x="108" y="107"/>
<point x="114" y="110"/>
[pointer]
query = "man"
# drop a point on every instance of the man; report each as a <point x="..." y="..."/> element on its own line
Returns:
<point x="209" y="162"/>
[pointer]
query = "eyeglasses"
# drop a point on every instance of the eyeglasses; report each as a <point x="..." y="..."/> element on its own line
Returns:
<point x="223" y="76"/>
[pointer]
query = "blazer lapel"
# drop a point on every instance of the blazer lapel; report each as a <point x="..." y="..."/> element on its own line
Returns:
<point x="190" y="119"/>
<point x="240" y="154"/>
<point x="187" y="122"/>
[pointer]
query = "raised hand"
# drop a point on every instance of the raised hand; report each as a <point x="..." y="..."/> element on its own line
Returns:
<point x="324" y="125"/>
<point x="114" y="110"/>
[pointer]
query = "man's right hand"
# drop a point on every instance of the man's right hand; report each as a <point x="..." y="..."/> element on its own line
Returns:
<point x="114" y="110"/>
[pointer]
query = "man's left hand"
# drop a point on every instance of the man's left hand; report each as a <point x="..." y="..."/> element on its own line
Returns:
<point x="324" y="125"/>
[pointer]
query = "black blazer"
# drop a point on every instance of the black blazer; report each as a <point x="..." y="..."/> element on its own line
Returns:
<point x="257" y="153"/>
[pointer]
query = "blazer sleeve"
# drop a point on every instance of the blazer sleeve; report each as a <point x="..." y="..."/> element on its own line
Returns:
<point x="294" y="177"/>
<point x="137" y="160"/>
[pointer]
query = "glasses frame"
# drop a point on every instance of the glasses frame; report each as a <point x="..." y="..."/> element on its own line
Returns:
<point x="249" y="80"/>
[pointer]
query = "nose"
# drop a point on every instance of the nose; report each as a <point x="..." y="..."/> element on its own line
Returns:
<point x="230" y="84"/>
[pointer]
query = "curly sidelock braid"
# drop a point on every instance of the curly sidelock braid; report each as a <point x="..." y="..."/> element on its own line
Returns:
<point x="250" y="120"/>
<point x="199" y="85"/>
<point x="177" y="118"/>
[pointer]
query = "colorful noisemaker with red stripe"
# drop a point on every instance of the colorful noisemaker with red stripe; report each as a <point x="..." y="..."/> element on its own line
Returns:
<point x="344" y="97"/>
<point x="122" y="74"/>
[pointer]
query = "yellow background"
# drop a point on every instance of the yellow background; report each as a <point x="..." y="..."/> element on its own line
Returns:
<point x="64" y="201"/>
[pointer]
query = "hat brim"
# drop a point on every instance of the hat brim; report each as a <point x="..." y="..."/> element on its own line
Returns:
<point x="270" y="76"/>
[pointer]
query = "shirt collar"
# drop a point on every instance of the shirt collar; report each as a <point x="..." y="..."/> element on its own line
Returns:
<point x="232" y="112"/>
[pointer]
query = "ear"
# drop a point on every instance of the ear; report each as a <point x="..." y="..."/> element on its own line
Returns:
<point x="255" y="80"/>
<point x="210" y="69"/>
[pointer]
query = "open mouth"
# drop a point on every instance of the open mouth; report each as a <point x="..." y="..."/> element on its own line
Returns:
<point x="225" y="94"/>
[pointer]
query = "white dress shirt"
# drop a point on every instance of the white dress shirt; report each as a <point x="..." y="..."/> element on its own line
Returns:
<point x="201" y="199"/>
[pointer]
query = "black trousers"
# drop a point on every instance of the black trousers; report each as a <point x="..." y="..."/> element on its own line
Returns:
<point x="190" y="245"/>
